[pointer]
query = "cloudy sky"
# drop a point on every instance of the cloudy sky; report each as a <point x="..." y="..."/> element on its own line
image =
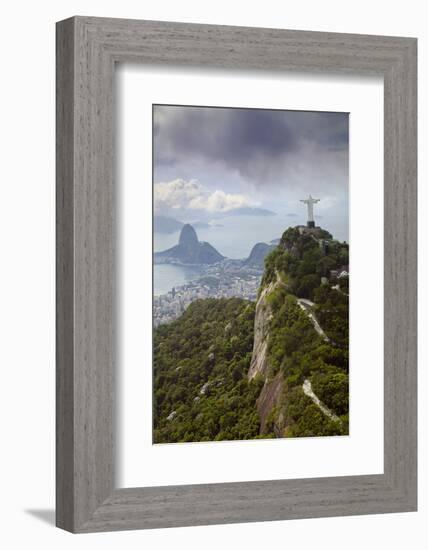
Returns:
<point x="211" y="161"/>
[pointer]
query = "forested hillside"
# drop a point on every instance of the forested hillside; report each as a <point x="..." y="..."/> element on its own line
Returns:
<point x="232" y="369"/>
<point x="201" y="360"/>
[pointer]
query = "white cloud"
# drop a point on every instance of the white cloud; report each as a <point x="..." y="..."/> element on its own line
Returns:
<point x="191" y="195"/>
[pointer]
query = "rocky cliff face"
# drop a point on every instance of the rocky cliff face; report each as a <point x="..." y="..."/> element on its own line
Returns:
<point x="270" y="395"/>
<point x="188" y="236"/>
<point x="261" y="334"/>
<point x="270" y="401"/>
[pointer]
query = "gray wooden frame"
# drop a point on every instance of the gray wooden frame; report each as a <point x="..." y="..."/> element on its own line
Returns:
<point x="87" y="50"/>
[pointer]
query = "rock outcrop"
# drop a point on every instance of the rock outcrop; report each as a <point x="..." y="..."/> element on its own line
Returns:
<point x="269" y="398"/>
<point x="188" y="237"/>
<point x="271" y="393"/>
<point x="189" y="250"/>
<point x="262" y="319"/>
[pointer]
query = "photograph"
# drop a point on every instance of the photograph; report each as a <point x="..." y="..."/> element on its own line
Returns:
<point x="250" y="274"/>
<point x="187" y="360"/>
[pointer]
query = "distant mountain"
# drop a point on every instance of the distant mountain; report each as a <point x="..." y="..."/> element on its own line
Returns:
<point x="275" y="241"/>
<point x="248" y="211"/>
<point x="163" y="224"/>
<point x="258" y="254"/>
<point x="188" y="237"/>
<point x="189" y="250"/>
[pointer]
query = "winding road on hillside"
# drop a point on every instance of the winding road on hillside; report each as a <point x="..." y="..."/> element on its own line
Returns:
<point x="306" y="306"/>
<point x="307" y="390"/>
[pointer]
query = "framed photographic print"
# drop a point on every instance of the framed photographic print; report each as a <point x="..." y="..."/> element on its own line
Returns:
<point x="236" y="274"/>
<point x="237" y="333"/>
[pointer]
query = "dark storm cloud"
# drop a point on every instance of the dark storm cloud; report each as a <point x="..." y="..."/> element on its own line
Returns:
<point x="256" y="143"/>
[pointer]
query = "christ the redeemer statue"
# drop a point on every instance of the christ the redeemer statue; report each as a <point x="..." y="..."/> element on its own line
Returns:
<point x="310" y="201"/>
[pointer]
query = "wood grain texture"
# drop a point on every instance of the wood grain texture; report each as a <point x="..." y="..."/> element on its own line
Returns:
<point x="87" y="49"/>
<point x="64" y="276"/>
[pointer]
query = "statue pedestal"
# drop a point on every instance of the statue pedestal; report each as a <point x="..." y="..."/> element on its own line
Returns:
<point x="311" y="224"/>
